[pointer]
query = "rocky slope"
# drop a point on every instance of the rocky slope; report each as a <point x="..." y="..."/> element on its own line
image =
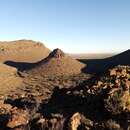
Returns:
<point x="98" y="103"/>
<point x="9" y="79"/>
<point x="57" y="63"/>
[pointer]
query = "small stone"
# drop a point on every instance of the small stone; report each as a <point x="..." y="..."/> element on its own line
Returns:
<point x="19" y="117"/>
<point x="113" y="72"/>
<point x="41" y="121"/>
<point x="75" y="121"/>
<point x="99" y="83"/>
<point x="112" y="125"/>
<point x="86" y="121"/>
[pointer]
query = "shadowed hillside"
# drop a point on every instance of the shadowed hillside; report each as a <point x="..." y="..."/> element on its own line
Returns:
<point x="21" y="66"/>
<point x="100" y="65"/>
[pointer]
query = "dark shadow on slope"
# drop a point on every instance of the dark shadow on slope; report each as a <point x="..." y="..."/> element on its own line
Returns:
<point x="67" y="104"/>
<point x="99" y="66"/>
<point x="24" y="66"/>
<point x="95" y="66"/>
<point x="21" y="66"/>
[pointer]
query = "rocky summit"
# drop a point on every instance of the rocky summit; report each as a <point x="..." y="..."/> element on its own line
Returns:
<point x="57" y="53"/>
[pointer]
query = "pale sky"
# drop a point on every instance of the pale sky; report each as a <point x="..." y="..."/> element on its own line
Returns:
<point x="75" y="26"/>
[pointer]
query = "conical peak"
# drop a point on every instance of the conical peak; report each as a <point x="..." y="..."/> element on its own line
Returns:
<point x="57" y="53"/>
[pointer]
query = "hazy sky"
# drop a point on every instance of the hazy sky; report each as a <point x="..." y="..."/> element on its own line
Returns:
<point x="73" y="25"/>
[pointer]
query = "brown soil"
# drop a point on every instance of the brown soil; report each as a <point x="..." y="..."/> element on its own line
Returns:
<point x="56" y="95"/>
<point x="23" y="51"/>
<point x="9" y="79"/>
